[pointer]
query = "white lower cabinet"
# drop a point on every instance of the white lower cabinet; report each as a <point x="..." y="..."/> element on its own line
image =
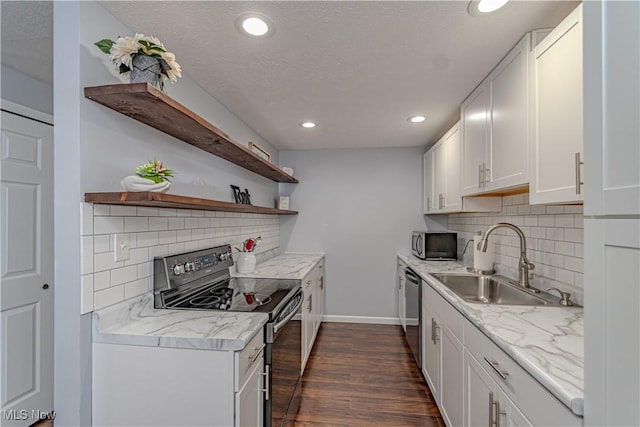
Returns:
<point x="473" y="381"/>
<point x="160" y="386"/>
<point x="313" y="286"/>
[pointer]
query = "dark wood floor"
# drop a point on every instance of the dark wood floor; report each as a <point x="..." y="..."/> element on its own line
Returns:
<point x="363" y="375"/>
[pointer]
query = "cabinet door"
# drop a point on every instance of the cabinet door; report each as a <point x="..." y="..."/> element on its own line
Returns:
<point x="508" y="156"/>
<point x="428" y="182"/>
<point x="475" y="127"/>
<point x="452" y="199"/>
<point x="439" y="165"/>
<point x="557" y="115"/>
<point x="451" y="377"/>
<point x="480" y="394"/>
<point x="431" y="351"/>
<point x="510" y="415"/>
<point x="612" y="346"/>
<point x="402" y="309"/>
<point x="307" y="324"/>
<point x="612" y="108"/>
<point x="249" y="400"/>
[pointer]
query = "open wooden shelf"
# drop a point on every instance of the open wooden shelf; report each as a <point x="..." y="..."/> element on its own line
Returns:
<point x="146" y="104"/>
<point x="163" y="200"/>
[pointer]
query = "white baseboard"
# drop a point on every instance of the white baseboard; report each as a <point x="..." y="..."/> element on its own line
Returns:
<point x="361" y="319"/>
<point x="356" y="319"/>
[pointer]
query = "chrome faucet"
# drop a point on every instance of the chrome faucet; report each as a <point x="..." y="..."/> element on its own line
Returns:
<point x="524" y="265"/>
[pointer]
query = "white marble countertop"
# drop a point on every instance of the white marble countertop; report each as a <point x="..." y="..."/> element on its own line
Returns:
<point x="137" y="322"/>
<point x="546" y="341"/>
<point x="285" y="266"/>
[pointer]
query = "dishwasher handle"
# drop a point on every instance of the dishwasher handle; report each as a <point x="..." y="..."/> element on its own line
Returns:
<point x="412" y="276"/>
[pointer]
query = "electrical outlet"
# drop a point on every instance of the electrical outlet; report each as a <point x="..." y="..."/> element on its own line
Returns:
<point x="121" y="247"/>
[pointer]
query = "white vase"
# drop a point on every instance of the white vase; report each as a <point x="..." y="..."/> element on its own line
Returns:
<point x="137" y="183"/>
<point x="246" y="262"/>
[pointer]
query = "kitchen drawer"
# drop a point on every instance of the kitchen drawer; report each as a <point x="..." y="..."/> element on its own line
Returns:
<point x="248" y="358"/>
<point x="535" y="401"/>
<point x="445" y="311"/>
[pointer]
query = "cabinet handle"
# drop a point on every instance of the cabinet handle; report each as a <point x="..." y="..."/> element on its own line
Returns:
<point x="428" y="204"/>
<point x="267" y="391"/>
<point x="496" y="367"/>
<point x="486" y="175"/>
<point x="479" y="176"/>
<point x="491" y="405"/>
<point x="578" y="175"/>
<point x="321" y="282"/>
<point x="434" y="330"/>
<point x="310" y="304"/>
<point x="253" y="357"/>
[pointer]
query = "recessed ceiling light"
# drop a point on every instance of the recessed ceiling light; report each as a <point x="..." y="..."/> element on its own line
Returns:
<point x="416" y="119"/>
<point x="484" y="7"/>
<point x="308" y="125"/>
<point x="255" y="25"/>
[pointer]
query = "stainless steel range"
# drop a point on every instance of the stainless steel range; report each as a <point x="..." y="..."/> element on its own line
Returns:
<point x="200" y="280"/>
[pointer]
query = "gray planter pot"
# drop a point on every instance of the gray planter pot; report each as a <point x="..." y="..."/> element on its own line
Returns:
<point x="147" y="69"/>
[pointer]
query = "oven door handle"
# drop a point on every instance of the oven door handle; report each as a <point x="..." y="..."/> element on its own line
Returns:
<point x="281" y="323"/>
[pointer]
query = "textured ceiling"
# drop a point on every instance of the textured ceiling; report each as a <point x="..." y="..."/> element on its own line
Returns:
<point x="357" y="68"/>
<point x="27" y="37"/>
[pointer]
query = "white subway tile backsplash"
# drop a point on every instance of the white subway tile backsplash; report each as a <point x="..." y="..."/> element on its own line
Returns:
<point x="86" y="251"/>
<point x="107" y="297"/>
<point x="120" y="210"/>
<point x="565" y="248"/>
<point x="86" y="293"/>
<point x="86" y="219"/>
<point x="136" y="288"/>
<point x="564" y="221"/>
<point x="555" y="210"/>
<point x="158" y="224"/>
<point x="159" y="232"/>
<point x="574" y="235"/>
<point x="574" y="264"/>
<point x="101" y="280"/>
<point x="124" y="275"/>
<point x="134" y="224"/>
<point x="107" y="224"/>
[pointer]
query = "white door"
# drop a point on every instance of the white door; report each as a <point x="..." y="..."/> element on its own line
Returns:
<point x="480" y="394"/>
<point x="26" y="305"/>
<point x="451" y="377"/>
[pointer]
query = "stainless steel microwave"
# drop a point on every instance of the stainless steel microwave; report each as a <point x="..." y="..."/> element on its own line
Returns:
<point x="439" y="245"/>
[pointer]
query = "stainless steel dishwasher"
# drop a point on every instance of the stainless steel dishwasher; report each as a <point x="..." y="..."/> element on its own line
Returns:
<point x="413" y="298"/>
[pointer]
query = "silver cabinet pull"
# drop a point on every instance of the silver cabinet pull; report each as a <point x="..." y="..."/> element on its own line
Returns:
<point x="310" y="303"/>
<point x="267" y="391"/>
<point x="578" y="174"/>
<point x="487" y="179"/>
<point x="428" y="204"/>
<point x="321" y="282"/>
<point x="479" y="176"/>
<point x="496" y="367"/>
<point x="491" y="404"/>
<point x="253" y="357"/>
<point x="434" y="330"/>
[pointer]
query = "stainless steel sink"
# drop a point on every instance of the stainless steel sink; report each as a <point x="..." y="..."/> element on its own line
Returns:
<point x="492" y="290"/>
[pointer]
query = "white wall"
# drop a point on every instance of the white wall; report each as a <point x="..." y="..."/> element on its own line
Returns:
<point x="24" y="90"/>
<point x="95" y="148"/>
<point x="112" y="145"/>
<point x="358" y="206"/>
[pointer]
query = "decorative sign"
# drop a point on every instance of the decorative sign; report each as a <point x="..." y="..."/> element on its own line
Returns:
<point x="283" y="203"/>
<point x="242" y="198"/>
<point x="260" y="152"/>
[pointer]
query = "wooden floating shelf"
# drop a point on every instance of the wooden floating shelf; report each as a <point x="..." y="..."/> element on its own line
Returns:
<point x="163" y="200"/>
<point x="146" y="104"/>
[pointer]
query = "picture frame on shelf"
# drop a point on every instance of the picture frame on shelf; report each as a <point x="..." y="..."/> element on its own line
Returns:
<point x="283" y="203"/>
<point x="259" y="151"/>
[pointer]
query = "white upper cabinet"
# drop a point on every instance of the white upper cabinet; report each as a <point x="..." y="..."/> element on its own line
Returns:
<point x="556" y="115"/>
<point x="442" y="177"/>
<point x="612" y="112"/>
<point x="494" y="127"/>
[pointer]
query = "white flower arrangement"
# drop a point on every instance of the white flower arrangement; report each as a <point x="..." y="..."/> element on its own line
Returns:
<point x="124" y="49"/>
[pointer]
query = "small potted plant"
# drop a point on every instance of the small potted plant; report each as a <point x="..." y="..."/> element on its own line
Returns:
<point x="144" y="57"/>
<point x="152" y="176"/>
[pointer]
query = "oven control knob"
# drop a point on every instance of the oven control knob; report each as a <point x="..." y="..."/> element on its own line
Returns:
<point x="189" y="266"/>
<point x="224" y="256"/>
<point x="178" y="269"/>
